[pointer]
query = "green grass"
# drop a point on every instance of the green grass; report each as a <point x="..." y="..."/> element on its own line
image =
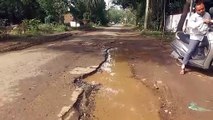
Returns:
<point x="166" y="36"/>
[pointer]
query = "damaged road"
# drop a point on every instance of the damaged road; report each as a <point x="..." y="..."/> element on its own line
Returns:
<point x="55" y="80"/>
<point x="36" y="83"/>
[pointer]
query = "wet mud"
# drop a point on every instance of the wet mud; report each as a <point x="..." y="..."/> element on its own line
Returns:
<point x="111" y="92"/>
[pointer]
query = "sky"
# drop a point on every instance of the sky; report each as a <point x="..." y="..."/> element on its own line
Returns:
<point x="108" y="3"/>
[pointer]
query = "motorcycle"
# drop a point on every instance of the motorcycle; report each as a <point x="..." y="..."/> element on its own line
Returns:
<point x="203" y="56"/>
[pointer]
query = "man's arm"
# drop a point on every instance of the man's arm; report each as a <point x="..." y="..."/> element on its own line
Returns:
<point x="207" y="18"/>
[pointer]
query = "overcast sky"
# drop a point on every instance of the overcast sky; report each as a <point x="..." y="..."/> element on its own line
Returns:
<point x="108" y="3"/>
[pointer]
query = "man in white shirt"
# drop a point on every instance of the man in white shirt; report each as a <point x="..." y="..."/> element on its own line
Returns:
<point x="198" y="25"/>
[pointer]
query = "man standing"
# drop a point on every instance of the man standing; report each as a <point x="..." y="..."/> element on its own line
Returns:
<point x="198" y="26"/>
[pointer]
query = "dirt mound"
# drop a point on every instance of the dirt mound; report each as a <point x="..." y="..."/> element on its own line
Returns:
<point x="10" y="43"/>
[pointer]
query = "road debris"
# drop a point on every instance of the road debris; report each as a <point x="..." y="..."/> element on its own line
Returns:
<point x="195" y="107"/>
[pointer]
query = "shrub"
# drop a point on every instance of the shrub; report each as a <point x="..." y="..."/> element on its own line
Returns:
<point x="59" y="28"/>
<point x="46" y="28"/>
<point x="35" y="27"/>
<point x="30" y="25"/>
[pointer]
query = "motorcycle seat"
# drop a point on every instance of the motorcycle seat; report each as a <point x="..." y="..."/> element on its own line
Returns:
<point x="186" y="38"/>
<point x="204" y="42"/>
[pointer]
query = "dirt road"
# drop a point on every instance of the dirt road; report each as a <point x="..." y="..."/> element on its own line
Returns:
<point x="36" y="83"/>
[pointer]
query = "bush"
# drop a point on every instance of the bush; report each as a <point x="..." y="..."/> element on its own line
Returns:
<point x="46" y="28"/>
<point x="35" y="27"/>
<point x="51" y="28"/>
<point x="59" y="28"/>
<point x="30" y="25"/>
<point x="27" y="27"/>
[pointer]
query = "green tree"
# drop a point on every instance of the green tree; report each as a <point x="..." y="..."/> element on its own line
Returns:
<point x="17" y="10"/>
<point x="137" y="7"/>
<point x="115" y="15"/>
<point x="12" y="10"/>
<point x="31" y="9"/>
<point x="53" y="9"/>
<point x="92" y="10"/>
<point x="151" y="13"/>
<point x="78" y="9"/>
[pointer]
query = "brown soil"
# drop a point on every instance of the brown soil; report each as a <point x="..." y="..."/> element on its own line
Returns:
<point x="36" y="82"/>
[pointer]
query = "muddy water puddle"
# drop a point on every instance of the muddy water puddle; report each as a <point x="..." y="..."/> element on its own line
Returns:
<point x="122" y="97"/>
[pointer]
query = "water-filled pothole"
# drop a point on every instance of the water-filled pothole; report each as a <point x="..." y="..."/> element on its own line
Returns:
<point x="121" y="97"/>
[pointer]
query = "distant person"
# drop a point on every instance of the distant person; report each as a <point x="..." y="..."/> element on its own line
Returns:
<point x="198" y="25"/>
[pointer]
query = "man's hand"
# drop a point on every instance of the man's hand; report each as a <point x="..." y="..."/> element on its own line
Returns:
<point x="207" y="21"/>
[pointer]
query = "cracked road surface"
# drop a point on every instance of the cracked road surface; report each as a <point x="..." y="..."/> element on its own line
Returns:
<point x="36" y="83"/>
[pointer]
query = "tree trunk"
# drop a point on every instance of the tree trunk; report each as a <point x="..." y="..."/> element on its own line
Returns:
<point x="164" y="16"/>
<point x="184" y="15"/>
<point x="146" y="15"/>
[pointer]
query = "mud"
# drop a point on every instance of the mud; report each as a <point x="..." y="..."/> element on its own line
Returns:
<point x="121" y="96"/>
<point x="41" y="77"/>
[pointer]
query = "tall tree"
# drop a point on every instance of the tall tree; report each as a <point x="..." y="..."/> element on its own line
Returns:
<point x="93" y="10"/>
<point x="184" y="15"/>
<point x="12" y="10"/>
<point x="146" y="15"/>
<point x="115" y="15"/>
<point x="53" y="9"/>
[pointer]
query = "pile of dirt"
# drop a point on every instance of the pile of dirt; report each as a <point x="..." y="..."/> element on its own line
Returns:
<point x="10" y="43"/>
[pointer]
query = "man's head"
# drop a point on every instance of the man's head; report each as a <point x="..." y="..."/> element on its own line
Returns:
<point x="200" y="8"/>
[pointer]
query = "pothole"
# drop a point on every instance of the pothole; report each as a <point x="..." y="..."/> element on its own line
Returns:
<point x="121" y="96"/>
<point x="111" y="93"/>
